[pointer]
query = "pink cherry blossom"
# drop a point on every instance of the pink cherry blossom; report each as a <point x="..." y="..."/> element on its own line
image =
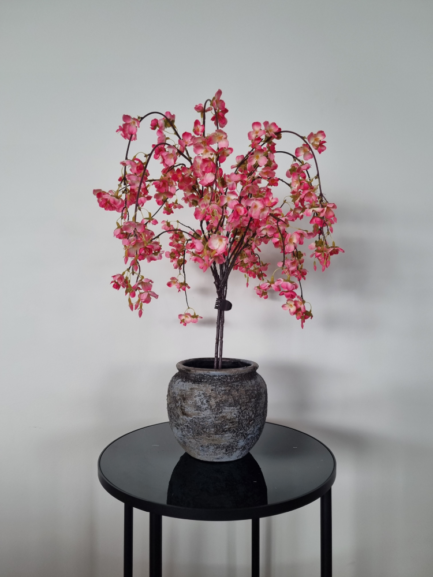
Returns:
<point x="219" y="137"/>
<point x="157" y="123"/>
<point x="297" y="308"/>
<point x="217" y="243"/>
<point x="180" y="285"/>
<point x="119" y="281"/>
<point x="304" y="152"/>
<point x="201" y="211"/>
<point x="187" y="138"/>
<point x="298" y="174"/>
<point x="145" y="296"/>
<point x="317" y="140"/>
<point x="198" y="245"/>
<point x="262" y="290"/>
<point x="256" y="132"/>
<point x="233" y="177"/>
<point x="285" y="288"/>
<point x="200" y="108"/>
<point x="108" y="200"/>
<point x="224" y="153"/>
<point x="187" y="318"/>
<point x="271" y="129"/>
<point x="327" y="213"/>
<point x="258" y="156"/>
<point x="129" y="127"/>
<point x="207" y="179"/>
<point x="220" y="110"/>
<point x="238" y="211"/>
<point x="323" y="253"/>
<point x="169" y="156"/>
<point x="213" y="214"/>
<point x="198" y="128"/>
<point x="258" y="210"/>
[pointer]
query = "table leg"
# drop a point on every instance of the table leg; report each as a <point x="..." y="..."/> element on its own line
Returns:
<point x="255" y="547"/>
<point x="326" y="534"/>
<point x="128" y="541"/>
<point x="155" y="543"/>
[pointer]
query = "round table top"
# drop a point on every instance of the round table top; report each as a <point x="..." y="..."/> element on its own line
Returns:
<point x="149" y="470"/>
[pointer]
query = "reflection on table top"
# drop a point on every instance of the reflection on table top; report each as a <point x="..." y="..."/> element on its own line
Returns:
<point x="285" y="470"/>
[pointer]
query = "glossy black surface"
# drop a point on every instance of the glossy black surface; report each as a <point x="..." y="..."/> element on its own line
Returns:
<point x="285" y="470"/>
<point x="203" y="485"/>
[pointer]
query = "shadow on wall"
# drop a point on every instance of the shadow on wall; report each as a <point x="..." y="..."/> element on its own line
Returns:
<point x="383" y="502"/>
<point x="61" y="514"/>
<point x="82" y="529"/>
<point x="381" y="507"/>
<point x="299" y="391"/>
<point x="124" y="403"/>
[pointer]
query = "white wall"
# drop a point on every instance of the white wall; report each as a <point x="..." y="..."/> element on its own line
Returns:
<point x="78" y="369"/>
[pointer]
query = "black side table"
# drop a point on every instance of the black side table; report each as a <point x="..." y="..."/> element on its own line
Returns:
<point x="286" y="469"/>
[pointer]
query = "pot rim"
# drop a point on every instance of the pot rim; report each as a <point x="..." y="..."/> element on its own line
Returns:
<point x="250" y="367"/>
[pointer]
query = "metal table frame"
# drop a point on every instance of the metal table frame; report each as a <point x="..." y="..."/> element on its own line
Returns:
<point x="156" y="513"/>
<point x="155" y="541"/>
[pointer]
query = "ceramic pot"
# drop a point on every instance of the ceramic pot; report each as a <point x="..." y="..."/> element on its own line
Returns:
<point x="217" y="414"/>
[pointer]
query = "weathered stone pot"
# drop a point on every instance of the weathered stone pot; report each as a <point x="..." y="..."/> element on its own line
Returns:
<point x="217" y="414"/>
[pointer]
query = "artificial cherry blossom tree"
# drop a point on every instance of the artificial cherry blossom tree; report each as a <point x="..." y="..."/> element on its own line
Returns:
<point x="236" y="210"/>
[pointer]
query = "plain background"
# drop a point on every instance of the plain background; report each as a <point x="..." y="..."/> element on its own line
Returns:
<point x="78" y="369"/>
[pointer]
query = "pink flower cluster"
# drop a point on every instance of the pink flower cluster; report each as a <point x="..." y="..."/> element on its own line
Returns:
<point x="129" y="127"/>
<point x="108" y="200"/>
<point x="236" y="209"/>
<point x="186" y="318"/>
<point x="141" y="289"/>
<point x="180" y="285"/>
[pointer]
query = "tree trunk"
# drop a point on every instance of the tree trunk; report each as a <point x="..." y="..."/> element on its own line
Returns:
<point x="219" y="339"/>
<point x="218" y="326"/>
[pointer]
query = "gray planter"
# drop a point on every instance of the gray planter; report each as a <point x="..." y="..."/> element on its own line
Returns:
<point x="217" y="414"/>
